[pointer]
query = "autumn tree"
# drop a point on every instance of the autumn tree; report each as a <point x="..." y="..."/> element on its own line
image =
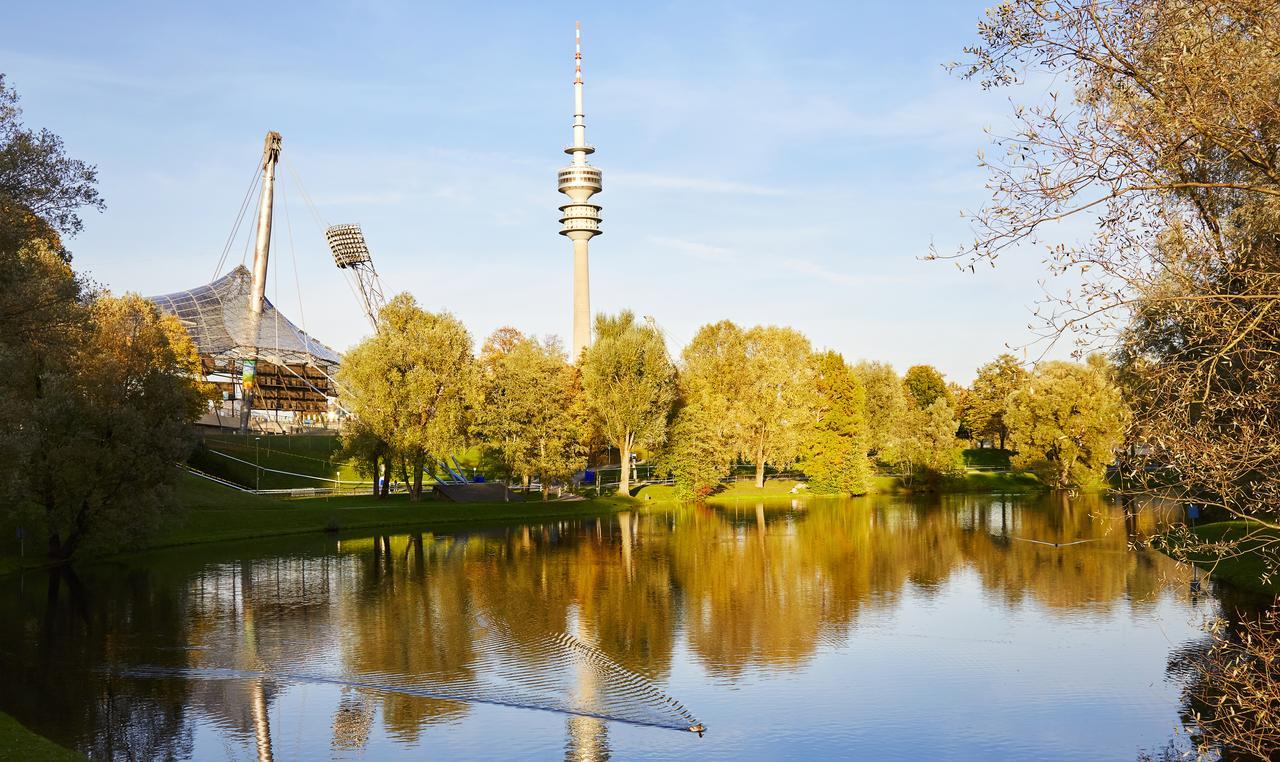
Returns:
<point x="1067" y="421"/>
<point x="924" y="385"/>
<point x="1163" y="139"/>
<point x="984" y="412"/>
<point x="413" y="384"/>
<point x="836" y="452"/>
<point x="886" y="404"/>
<point x="777" y="403"/>
<point x="630" y="386"/>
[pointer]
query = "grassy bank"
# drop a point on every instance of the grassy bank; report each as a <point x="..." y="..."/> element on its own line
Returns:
<point x="21" y="745"/>
<point x="1246" y="568"/>
<point x="215" y="513"/>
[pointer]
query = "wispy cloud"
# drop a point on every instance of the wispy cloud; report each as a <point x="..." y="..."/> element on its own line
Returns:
<point x="699" y="184"/>
<point x="805" y="267"/>
<point x="699" y="250"/>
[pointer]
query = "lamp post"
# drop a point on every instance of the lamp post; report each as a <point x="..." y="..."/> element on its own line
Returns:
<point x="257" y="469"/>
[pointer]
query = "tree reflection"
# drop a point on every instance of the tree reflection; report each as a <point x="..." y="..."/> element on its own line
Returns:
<point x="754" y="586"/>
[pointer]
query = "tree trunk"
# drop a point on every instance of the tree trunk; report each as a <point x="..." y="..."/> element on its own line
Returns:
<point x="546" y="489"/>
<point x="377" y="492"/>
<point x="386" y="476"/>
<point x="416" y="494"/>
<point x="760" y="466"/>
<point x="624" y="473"/>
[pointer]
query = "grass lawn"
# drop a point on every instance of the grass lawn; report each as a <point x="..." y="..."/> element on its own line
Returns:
<point x="1245" y="570"/>
<point x="987" y="457"/>
<point x="19" y="744"/>
<point x="216" y="513"/>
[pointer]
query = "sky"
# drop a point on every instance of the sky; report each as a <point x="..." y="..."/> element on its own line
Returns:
<point x="768" y="163"/>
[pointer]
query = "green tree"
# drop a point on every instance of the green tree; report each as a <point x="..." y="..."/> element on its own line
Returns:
<point x="630" y="386"/>
<point x="836" y="456"/>
<point x="694" y="457"/>
<point x="927" y="450"/>
<point x="885" y="407"/>
<point x="984" y="413"/>
<point x="527" y="417"/>
<point x="713" y="378"/>
<point x="778" y="399"/>
<point x="413" y="384"/>
<point x="924" y="385"/>
<point x="42" y="190"/>
<point x="371" y="453"/>
<point x="1066" y="423"/>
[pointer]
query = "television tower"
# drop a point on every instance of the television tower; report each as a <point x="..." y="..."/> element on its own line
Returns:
<point x="580" y="218"/>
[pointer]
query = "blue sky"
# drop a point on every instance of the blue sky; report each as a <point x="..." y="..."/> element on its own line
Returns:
<point x="766" y="163"/>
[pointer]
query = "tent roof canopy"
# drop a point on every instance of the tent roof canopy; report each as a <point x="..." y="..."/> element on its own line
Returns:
<point x="217" y="317"/>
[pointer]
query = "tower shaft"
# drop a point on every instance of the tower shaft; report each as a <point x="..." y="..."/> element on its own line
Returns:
<point x="258" y="292"/>
<point x="580" y="219"/>
<point x="581" y="298"/>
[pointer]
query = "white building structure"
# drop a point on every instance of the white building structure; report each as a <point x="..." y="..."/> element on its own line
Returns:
<point x="580" y="219"/>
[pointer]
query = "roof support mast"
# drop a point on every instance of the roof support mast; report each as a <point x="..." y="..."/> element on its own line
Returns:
<point x="261" y="251"/>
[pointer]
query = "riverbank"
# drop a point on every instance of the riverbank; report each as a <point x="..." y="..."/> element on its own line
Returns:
<point x="973" y="482"/>
<point x="214" y="513"/>
<point x="21" y="745"/>
<point x="1247" y="568"/>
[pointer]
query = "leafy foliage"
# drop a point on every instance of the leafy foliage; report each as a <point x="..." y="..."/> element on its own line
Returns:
<point x="778" y="400"/>
<point x="836" y="456"/>
<point x="42" y="190"/>
<point x="886" y="405"/>
<point x="413" y="384"/>
<point x="924" y="385"/>
<point x="530" y="417"/>
<point x="1067" y="423"/>
<point x="630" y="386"/>
<point x="984" y="411"/>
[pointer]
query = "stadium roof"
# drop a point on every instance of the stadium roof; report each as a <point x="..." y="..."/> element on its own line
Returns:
<point x="217" y="317"/>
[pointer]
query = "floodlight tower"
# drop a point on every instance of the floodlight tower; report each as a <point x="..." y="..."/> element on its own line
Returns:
<point x="580" y="218"/>
<point x="351" y="253"/>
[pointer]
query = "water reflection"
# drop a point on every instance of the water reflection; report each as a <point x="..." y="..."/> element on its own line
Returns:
<point x="738" y="593"/>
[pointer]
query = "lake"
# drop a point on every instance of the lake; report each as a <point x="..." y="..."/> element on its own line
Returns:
<point x="962" y="627"/>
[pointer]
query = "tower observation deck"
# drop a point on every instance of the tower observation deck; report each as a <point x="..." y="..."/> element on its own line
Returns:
<point x="580" y="219"/>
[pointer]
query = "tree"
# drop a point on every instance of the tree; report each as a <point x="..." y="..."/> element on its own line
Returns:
<point x="924" y="385"/>
<point x="996" y="380"/>
<point x="413" y="384"/>
<point x="527" y="417"/>
<point x="371" y="453"/>
<point x="926" y="447"/>
<point x="778" y="399"/>
<point x="836" y="456"/>
<point x="42" y="190"/>
<point x="713" y="380"/>
<point x="630" y="386"/>
<point x="1067" y="422"/>
<point x="886" y="405"/>
<point x="1171" y="153"/>
<point x="108" y="426"/>
<point x="694" y="457"/>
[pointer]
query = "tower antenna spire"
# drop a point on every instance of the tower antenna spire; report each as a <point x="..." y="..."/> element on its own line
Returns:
<point x="577" y="52"/>
<point x="579" y="218"/>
